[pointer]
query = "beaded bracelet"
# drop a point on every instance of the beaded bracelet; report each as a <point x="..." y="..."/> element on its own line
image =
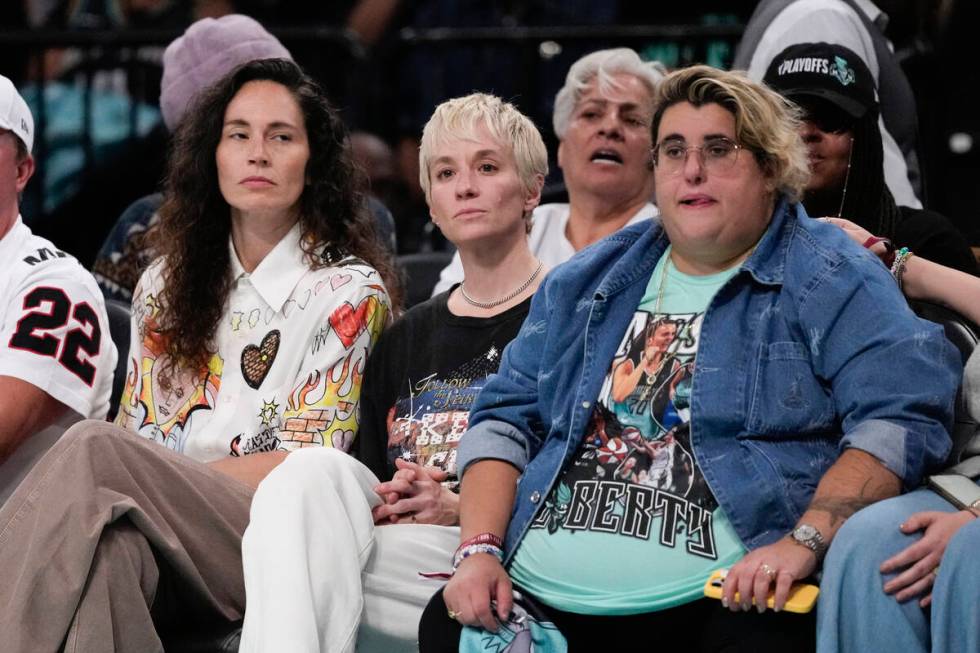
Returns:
<point x="898" y="267"/>
<point x="465" y="552"/>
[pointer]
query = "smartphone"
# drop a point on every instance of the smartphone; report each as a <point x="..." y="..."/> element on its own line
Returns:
<point x="802" y="596"/>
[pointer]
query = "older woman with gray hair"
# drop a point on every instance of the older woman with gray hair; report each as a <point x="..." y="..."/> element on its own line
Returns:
<point x="602" y="117"/>
<point x="791" y="386"/>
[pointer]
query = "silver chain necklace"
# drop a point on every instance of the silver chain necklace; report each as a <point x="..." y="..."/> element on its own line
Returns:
<point x="497" y="302"/>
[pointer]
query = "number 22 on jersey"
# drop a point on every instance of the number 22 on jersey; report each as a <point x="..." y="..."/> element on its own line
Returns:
<point x="47" y="311"/>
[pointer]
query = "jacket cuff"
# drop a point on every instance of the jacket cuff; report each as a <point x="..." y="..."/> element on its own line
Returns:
<point x="889" y="443"/>
<point x="491" y="439"/>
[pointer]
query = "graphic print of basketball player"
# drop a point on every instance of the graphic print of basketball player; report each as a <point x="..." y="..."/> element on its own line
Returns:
<point x="638" y="431"/>
<point x="645" y="382"/>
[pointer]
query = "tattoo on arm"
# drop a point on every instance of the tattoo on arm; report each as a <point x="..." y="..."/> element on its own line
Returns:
<point x="840" y="508"/>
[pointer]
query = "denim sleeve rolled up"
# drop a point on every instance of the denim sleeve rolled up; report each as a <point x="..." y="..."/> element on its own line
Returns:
<point x="810" y="349"/>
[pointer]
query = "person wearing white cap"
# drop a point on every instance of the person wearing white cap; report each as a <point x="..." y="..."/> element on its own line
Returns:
<point x="56" y="356"/>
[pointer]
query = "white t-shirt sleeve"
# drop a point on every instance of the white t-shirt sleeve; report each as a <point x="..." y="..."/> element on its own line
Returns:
<point x="811" y="21"/>
<point x="55" y="335"/>
<point x="451" y="274"/>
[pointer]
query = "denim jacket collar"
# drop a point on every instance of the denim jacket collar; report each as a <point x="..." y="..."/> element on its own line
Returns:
<point x="766" y="264"/>
<point x="638" y="262"/>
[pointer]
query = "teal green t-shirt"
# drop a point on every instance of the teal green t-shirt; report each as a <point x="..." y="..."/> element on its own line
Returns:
<point x="632" y="526"/>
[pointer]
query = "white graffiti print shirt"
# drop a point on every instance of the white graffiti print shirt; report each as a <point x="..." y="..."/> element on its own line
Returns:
<point x="291" y="350"/>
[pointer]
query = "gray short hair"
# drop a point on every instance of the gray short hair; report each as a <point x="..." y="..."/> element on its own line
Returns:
<point x="602" y="65"/>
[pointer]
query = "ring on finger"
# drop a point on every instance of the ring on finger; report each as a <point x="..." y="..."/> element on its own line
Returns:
<point x="452" y="614"/>
<point x="768" y="571"/>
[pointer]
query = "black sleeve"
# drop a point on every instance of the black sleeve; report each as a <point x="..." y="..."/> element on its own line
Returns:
<point x="933" y="237"/>
<point x="371" y="444"/>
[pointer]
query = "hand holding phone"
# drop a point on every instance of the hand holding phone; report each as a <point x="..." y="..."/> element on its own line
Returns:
<point x="802" y="596"/>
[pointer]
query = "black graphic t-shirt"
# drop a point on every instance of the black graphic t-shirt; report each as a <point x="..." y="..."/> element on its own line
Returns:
<point x="421" y="381"/>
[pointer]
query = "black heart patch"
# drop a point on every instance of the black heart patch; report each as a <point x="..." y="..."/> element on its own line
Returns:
<point x="257" y="361"/>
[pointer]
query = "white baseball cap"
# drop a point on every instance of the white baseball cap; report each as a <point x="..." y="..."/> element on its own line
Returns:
<point x="14" y="114"/>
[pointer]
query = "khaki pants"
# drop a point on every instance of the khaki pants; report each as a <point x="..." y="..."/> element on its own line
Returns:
<point x="104" y="522"/>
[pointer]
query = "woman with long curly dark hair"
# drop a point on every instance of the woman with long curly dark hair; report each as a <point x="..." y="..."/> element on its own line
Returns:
<point x="249" y="339"/>
<point x="268" y="260"/>
<point x="196" y="221"/>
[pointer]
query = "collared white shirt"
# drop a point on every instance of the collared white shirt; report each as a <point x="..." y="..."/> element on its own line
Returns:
<point x="54" y="334"/>
<point x="291" y="348"/>
<point x="548" y="241"/>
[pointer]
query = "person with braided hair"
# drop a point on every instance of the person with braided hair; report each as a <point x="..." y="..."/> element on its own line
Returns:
<point x="837" y="95"/>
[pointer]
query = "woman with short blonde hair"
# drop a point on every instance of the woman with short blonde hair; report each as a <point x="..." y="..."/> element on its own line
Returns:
<point x="483" y="166"/>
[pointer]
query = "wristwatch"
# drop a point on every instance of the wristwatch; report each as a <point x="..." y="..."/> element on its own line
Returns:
<point x="808" y="536"/>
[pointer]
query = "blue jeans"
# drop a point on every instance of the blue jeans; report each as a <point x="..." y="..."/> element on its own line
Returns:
<point x="854" y="613"/>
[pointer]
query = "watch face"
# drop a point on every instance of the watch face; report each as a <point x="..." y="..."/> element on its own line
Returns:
<point x="805" y="532"/>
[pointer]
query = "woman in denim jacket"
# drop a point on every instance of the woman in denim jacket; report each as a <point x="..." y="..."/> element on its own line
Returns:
<point x="816" y="391"/>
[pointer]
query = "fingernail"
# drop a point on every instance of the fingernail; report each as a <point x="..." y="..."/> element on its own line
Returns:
<point x="760" y="608"/>
<point x="776" y="608"/>
<point x="724" y="602"/>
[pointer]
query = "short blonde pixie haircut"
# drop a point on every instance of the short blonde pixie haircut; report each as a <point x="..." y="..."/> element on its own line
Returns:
<point x="765" y="122"/>
<point x="461" y="117"/>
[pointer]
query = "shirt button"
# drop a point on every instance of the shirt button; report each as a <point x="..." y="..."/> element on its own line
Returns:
<point x="535" y="496"/>
<point x="586" y="404"/>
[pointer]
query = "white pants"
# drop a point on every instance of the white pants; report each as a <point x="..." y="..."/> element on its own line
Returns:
<point x="316" y="567"/>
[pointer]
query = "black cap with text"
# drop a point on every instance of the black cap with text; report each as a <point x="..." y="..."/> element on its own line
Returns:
<point x="823" y="70"/>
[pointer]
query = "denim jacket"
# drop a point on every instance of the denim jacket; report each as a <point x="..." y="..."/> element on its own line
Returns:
<point x="807" y="350"/>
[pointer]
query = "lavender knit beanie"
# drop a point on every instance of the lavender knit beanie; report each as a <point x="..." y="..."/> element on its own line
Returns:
<point x="207" y="51"/>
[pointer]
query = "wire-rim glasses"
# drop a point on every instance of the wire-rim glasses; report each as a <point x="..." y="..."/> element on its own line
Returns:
<point x="716" y="155"/>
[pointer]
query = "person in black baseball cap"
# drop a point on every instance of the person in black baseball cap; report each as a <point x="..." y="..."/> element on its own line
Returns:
<point x="837" y="96"/>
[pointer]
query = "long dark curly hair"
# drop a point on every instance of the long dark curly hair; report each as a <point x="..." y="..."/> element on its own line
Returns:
<point x="195" y="219"/>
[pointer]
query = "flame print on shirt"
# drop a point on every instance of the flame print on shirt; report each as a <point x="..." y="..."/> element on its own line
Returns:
<point x="158" y="405"/>
<point x="321" y="410"/>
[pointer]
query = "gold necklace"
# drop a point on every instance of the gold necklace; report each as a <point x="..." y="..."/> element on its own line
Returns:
<point x="663" y="282"/>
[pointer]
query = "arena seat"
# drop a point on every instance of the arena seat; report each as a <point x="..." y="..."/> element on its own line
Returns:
<point x="119" y="329"/>
<point x="964" y="335"/>
<point x="420" y="273"/>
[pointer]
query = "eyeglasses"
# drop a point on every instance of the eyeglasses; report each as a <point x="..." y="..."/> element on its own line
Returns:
<point x="716" y="155"/>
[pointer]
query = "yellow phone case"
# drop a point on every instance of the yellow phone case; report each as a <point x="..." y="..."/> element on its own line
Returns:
<point x="802" y="596"/>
